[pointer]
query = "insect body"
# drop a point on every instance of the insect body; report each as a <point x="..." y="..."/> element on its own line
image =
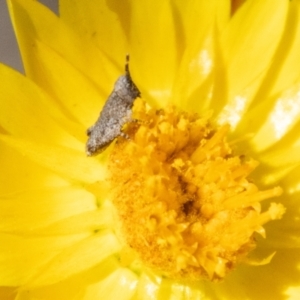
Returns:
<point x="115" y="113"/>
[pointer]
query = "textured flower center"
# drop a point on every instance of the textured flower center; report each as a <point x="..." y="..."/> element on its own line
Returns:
<point x="185" y="205"/>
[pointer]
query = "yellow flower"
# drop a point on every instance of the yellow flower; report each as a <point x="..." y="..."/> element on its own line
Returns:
<point x="173" y="209"/>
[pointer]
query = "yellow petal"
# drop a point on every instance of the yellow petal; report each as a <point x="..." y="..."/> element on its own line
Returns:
<point x="118" y="285"/>
<point x="147" y="287"/>
<point x="105" y="23"/>
<point x="277" y="100"/>
<point x="279" y="158"/>
<point x="280" y="125"/>
<point x="34" y="22"/>
<point x="250" y="282"/>
<point x="48" y="123"/>
<point x="75" y="286"/>
<point x="169" y="289"/>
<point x="66" y="162"/>
<point x="285" y="68"/>
<point x="16" y="266"/>
<point x="259" y="24"/>
<point x="291" y="183"/>
<point x="90" y="221"/>
<point x="46" y="206"/>
<point x="193" y="85"/>
<point x="91" y="251"/>
<point x="17" y="179"/>
<point x="248" y="44"/>
<point x="152" y="27"/>
<point x="77" y="96"/>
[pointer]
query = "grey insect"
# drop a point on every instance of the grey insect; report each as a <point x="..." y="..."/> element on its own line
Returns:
<point x="115" y="113"/>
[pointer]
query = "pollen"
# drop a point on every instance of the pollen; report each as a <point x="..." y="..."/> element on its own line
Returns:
<point x="184" y="205"/>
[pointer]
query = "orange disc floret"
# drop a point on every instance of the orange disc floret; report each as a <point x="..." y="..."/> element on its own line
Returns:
<point x="184" y="202"/>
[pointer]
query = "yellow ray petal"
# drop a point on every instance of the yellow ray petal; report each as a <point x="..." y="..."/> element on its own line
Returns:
<point x="283" y="237"/>
<point x="75" y="286"/>
<point x="259" y="25"/>
<point x="169" y="289"/>
<point x="147" y="287"/>
<point x="21" y="99"/>
<point x="248" y="44"/>
<point x="279" y="121"/>
<point x="119" y="285"/>
<point x="67" y="162"/>
<point x="195" y="76"/>
<point x="17" y="266"/>
<point x="32" y="21"/>
<point x="70" y="88"/>
<point x="275" y="106"/>
<point x="291" y="182"/>
<point x="280" y="157"/>
<point x="213" y="15"/>
<point x="105" y="23"/>
<point x="16" y="179"/>
<point x="152" y="27"/>
<point x="285" y="69"/>
<point x="91" y="251"/>
<point x="90" y="221"/>
<point x="250" y="282"/>
<point x="46" y="206"/>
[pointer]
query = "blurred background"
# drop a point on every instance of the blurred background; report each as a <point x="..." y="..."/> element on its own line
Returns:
<point x="9" y="53"/>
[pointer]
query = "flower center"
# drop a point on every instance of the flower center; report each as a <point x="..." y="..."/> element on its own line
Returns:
<point x="184" y="203"/>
